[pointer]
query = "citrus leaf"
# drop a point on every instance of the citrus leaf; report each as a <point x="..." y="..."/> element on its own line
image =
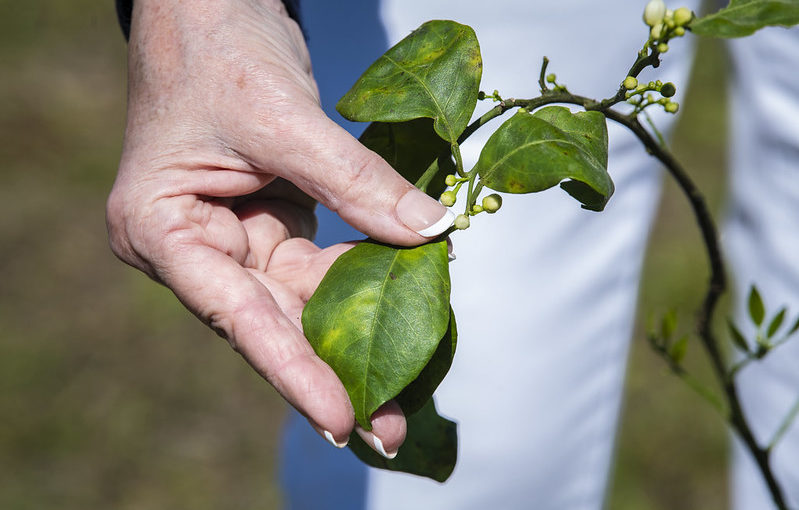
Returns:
<point x="757" y="312"/>
<point x="678" y="350"/>
<point x="377" y="317"/>
<point x="668" y="325"/>
<point x="533" y="152"/>
<point x="420" y="391"/>
<point x="775" y="323"/>
<point x="737" y="337"/>
<point x="744" y="17"/>
<point x="411" y="147"/>
<point x="430" y="448"/>
<point x="434" y="72"/>
<point x="794" y="328"/>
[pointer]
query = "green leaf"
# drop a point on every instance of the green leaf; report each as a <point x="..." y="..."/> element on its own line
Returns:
<point x="430" y="448"/>
<point x="378" y="316"/>
<point x="533" y="152"/>
<point x="434" y="73"/>
<point x="736" y="336"/>
<point x="775" y="323"/>
<point x="757" y="312"/>
<point x="794" y="328"/>
<point x="668" y="325"/>
<point x="411" y="147"/>
<point x="744" y="17"/>
<point x="420" y="391"/>
<point x="678" y="350"/>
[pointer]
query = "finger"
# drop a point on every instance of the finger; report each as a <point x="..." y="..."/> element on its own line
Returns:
<point x="235" y="304"/>
<point x="329" y="164"/>
<point x="388" y="430"/>
<point x="269" y="223"/>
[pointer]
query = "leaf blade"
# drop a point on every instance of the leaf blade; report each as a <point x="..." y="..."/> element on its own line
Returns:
<point x="757" y="311"/>
<point x="410" y="148"/>
<point x="434" y="72"/>
<point x="534" y="152"/>
<point x="744" y="17"/>
<point x="430" y="448"/>
<point x="776" y="322"/>
<point x="414" y="396"/>
<point x="377" y="317"/>
<point x="737" y="337"/>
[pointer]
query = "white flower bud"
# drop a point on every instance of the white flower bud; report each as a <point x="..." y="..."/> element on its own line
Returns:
<point x="656" y="32"/>
<point x="654" y="12"/>
<point x="462" y="222"/>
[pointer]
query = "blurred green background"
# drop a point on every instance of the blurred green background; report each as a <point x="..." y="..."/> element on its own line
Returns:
<point x="113" y="396"/>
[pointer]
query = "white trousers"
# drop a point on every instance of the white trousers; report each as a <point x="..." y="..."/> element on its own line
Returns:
<point x="544" y="292"/>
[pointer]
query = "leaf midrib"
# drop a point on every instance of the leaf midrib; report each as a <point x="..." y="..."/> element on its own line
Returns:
<point x="499" y="162"/>
<point x="372" y="330"/>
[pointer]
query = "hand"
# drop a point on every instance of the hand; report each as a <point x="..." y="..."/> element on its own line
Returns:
<point x="224" y="144"/>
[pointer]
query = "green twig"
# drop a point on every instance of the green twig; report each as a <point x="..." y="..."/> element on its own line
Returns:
<point x="784" y="426"/>
<point x="658" y="134"/>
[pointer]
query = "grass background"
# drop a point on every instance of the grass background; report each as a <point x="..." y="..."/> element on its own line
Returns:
<point x="113" y="396"/>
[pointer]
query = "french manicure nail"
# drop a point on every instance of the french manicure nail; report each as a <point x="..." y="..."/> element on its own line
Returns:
<point x="424" y="215"/>
<point x="450" y="250"/>
<point x="381" y="449"/>
<point x="332" y="440"/>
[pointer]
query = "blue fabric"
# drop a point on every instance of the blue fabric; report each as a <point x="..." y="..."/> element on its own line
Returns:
<point x="344" y="38"/>
<point x="303" y="458"/>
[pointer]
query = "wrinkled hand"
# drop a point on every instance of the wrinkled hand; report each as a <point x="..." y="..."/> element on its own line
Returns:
<point x="224" y="144"/>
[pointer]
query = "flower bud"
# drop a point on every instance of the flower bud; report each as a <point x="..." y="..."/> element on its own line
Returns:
<point x="551" y="78"/>
<point x="669" y="18"/>
<point x="654" y="12"/>
<point x="672" y="107"/>
<point x="663" y="47"/>
<point x="448" y="198"/>
<point x="462" y="222"/>
<point x="668" y="89"/>
<point x="476" y="209"/>
<point x="492" y="203"/>
<point x="450" y="180"/>
<point x="679" y="31"/>
<point x="657" y="32"/>
<point x="683" y="16"/>
<point x="630" y="83"/>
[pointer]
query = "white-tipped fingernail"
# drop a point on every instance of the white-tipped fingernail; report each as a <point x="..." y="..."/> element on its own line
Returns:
<point x="423" y="214"/>
<point x="380" y="449"/>
<point x="332" y="440"/>
<point x="438" y="227"/>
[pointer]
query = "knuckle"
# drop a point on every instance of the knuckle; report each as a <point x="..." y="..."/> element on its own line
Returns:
<point x="358" y="177"/>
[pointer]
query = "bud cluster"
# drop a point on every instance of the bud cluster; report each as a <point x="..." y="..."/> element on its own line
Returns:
<point x="490" y="203"/>
<point x="665" y="24"/>
<point x="641" y="94"/>
<point x="482" y="96"/>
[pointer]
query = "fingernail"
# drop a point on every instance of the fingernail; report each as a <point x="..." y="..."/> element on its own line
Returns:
<point x="424" y="215"/>
<point x="332" y="440"/>
<point x="450" y="250"/>
<point x="381" y="450"/>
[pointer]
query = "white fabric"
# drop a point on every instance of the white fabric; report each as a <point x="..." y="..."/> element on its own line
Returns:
<point x="762" y="241"/>
<point x="544" y="292"/>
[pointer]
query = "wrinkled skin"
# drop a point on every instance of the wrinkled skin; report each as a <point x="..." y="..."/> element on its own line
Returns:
<point x="226" y="150"/>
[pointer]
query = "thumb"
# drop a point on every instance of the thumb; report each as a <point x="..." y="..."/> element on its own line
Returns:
<point x="329" y="164"/>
